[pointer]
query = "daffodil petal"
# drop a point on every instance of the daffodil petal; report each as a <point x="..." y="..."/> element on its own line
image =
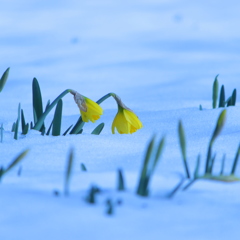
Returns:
<point x="132" y="118"/>
<point x="93" y="106"/>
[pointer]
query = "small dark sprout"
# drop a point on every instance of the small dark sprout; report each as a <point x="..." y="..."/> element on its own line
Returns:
<point x="83" y="167"/>
<point x="91" y="198"/>
<point x="56" y="193"/>
<point x="119" y="202"/>
<point x="109" y="207"/>
<point x="19" y="173"/>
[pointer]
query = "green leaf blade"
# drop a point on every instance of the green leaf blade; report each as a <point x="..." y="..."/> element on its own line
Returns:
<point x="234" y="97"/>
<point x="17" y="123"/>
<point x="182" y="141"/>
<point x="235" y="162"/>
<point x="215" y="92"/>
<point x="219" y="126"/>
<point x="57" y="120"/>
<point x="98" y="129"/>
<point x="37" y="100"/>
<point x="4" y="78"/>
<point x="16" y="160"/>
<point x="222" y="97"/>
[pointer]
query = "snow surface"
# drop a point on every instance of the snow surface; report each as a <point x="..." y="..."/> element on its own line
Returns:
<point x="161" y="57"/>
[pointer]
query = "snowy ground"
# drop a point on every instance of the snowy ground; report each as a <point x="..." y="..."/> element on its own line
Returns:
<point x="161" y="57"/>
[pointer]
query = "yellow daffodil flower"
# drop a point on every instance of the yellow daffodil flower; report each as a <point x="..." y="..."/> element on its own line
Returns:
<point x="93" y="111"/>
<point x="89" y="109"/>
<point x="125" y="121"/>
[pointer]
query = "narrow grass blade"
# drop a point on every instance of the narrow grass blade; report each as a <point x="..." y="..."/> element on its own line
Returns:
<point x="57" y="120"/>
<point x="215" y="92"/>
<point x="182" y="141"/>
<point x="83" y="167"/>
<point x="229" y="101"/>
<point x="43" y="130"/>
<point x="65" y="133"/>
<point x="37" y="100"/>
<point x="190" y="183"/>
<point x="196" y="172"/>
<point x="235" y="161"/>
<point x="78" y="126"/>
<point x="222" y="97"/>
<point x="68" y="172"/>
<point x="49" y="129"/>
<point x="219" y="126"/>
<point x="4" y="78"/>
<point x="145" y="188"/>
<point x="1" y="129"/>
<point x="212" y="163"/>
<point x="80" y="132"/>
<point x="25" y="130"/>
<point x="1" y="172"/>
<point x="16" y="160"/>
<point x="47" y="105"/>
<point x="234" y="97"/>
<point x="23" y="120"/>
<point x="98" y="129"/>
<point x="141" y="190"/>
<point x="176" y="189"/>
<point x="158" y="153"/>
<point x="120" y="182"/>
<point x="17" y="123"/>
<point x="223" y="164"/>
<point x="209" y="157"/>
<point x="13" y="127"/>
<point x="41" y="119"/>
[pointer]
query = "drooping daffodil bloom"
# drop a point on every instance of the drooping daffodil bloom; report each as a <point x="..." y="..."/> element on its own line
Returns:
<point x="89" y="109"/>
<point x="125" y="121"/>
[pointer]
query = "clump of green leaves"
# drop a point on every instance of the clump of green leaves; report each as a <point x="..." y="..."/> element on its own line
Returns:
<point x="19" y="157"/>
<point x="39" y="115"/>
<point x="231" y="101"/>
<point x="208" y="174"/>
<point x="152" y="157"/>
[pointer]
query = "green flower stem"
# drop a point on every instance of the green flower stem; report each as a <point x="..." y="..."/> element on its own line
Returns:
<point x="104" y="98"/>
<point x="79" y="125"/>
<point x="40" y="121"/>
